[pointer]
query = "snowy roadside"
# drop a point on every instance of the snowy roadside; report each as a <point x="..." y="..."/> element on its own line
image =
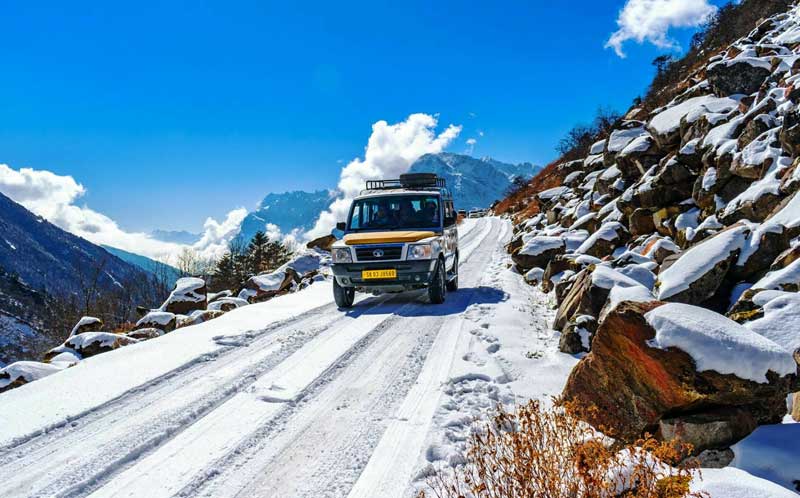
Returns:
<point x="55" y="400"/>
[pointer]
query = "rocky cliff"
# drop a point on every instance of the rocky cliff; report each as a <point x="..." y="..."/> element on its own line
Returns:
<point x="673" y="249"/>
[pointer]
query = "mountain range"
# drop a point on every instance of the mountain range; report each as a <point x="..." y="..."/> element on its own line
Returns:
<point x="476" y="183"/>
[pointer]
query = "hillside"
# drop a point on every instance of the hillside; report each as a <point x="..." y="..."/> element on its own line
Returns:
<point x="671" y="250"/>
<point x="476" y="183"/>
<point x="42" y="267"/>
<point x="164" y="272"/>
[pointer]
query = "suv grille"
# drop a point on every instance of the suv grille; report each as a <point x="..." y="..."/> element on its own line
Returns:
<point x="384" y="253"/>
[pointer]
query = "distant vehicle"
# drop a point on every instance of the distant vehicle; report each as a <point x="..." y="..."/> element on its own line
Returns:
<point x="462" y="213"/>
<point x="477" y="213"/>
<point x="400" y="235"/>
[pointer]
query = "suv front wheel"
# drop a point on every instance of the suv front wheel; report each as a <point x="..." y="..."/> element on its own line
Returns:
<point x="344" y="296"/>
<point x="437" y="289"/>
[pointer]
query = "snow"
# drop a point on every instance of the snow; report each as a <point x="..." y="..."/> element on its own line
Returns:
<point x="271" y="281"/>
<point x="781" y="320"/>
<point x="84" y="321"/>
<point x="734" y="483"/>
<point x="606" y="277"/>
<point x="186" y="290"/>
<point x="597" y="147"/>
<point x="104" y="339"/>
<point x="717" y="343"/>
<point x="620" y="294"/>
<point x="778" y="279"/>
<point x="552" y="193"/>
<point x="158" y="317"/>
<point x="608" y="231"/>
<point x="669" y="120"/>
<point x="28" y="370"/>
<point x="770" y="453"/>
<point x="540" y="244"/>
<point x="619" y="139"/>
<point x="699" y="260"/>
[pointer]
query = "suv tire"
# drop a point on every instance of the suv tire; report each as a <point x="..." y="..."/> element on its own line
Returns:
<point x="344" y="296"/>
<point x="452" y="284"/>
<point x="437" y="289"/>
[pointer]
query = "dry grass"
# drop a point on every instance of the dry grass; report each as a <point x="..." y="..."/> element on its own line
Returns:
<point x="548" y="453"/>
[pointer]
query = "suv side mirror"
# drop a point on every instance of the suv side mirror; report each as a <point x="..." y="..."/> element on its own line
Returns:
<point x="449" y="220"/>
<point x="341" y="226"/>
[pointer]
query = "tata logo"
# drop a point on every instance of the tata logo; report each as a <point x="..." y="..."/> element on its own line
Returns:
<point x="378" y="253"/>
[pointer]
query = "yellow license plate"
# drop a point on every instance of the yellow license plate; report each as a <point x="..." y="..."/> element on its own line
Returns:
<point x="378" y="274"/>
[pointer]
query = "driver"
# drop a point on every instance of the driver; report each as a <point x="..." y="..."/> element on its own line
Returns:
<point x="381" y="218"/>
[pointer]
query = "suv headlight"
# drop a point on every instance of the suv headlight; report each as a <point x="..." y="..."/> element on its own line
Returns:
<point x="342" y="255"/>
<point x="420" y="251"/>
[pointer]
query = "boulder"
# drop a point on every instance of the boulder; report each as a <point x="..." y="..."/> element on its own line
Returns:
<point x="22" y="372"/>
<point x="638" y="156"/>
<point x="577" y="335"/>
<point x="675" y="363"/>
<point x="790" y="133"/>
<point x="696" y="274"/>
<point x="199" y="316"/>
<point x="589" y="293"/>
<point x="711" y="430"/>
<point x="87" y="324"/>
<point x="640" y="222"/>
<point x="324" y="243"/>
<point x="93" y="343"/>
<point x="227" y="304"/>
<point x="263" y="287"/>
<point x="145" y="334"/>
<point x="605" y="240"/>
<point x="189" y="295"/>
<point x="537" y="252"/>
<point x="158" y="320"/>
<point x="736" y="77"/>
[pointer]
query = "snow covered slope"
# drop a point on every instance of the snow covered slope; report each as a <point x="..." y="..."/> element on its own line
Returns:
<point x="476" y="183"/>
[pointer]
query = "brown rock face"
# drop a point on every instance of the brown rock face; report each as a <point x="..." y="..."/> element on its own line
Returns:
<point x="583" y="298"/>
<point x="323" y="243"/>
<point x="635" y="387"/>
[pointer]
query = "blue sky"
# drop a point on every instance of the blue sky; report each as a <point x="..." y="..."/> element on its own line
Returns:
<point x="170" y="112"/>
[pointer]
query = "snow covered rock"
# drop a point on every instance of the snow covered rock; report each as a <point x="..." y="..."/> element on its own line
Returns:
<point x="227" y="304"/>
<point x="537" y="252"/>
<point x="266" y="286"/>
<point x="145" y="334"/>
<point x="608" y="237"/>
<point x="197" y="317"/>
<point x="22" y="372"/>
<point x="189" y="295"/>
<point x="87" y="324"/>
<point x="94" y="343"/>
<point x="737" y="76"/>
<point x="324" y="243"/>
<point x="665" y="361"/>
<point x="698" y="273"/>
<point x="158" y="319"/>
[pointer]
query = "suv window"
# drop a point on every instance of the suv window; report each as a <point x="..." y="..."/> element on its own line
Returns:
<point x="396" y="212"/>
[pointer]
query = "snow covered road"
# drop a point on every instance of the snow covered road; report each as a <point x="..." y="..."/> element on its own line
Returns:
<point x="315" y="402"/>
<point x="295" y="398"/>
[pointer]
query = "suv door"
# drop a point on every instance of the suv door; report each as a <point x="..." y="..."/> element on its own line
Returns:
<point x="450" y="230"/>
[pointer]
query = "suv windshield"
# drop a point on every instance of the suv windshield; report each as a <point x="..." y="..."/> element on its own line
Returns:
<point x="396" y="212"/>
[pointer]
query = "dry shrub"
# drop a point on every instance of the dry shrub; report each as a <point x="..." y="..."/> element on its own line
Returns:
<point x="549" y="452"/>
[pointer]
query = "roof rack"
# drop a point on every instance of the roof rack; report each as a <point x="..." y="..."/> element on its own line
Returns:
<point x="409" y="180"/>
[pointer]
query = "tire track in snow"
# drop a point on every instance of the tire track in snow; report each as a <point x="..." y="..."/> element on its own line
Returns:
<point x="116" y="434"/>
<point x="320" y="451"/>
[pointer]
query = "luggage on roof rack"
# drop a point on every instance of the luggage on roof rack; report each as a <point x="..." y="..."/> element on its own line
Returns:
<point x="409" y="180"/>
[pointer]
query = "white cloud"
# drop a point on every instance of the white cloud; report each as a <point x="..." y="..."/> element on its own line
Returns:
<point x="390" y="151"/>
<point x="471" y="145"/>
<point x="651" y="20"/>
<point x="54" y="197"/>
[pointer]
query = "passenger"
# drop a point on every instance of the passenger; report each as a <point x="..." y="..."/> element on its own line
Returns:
<point x="430" y="213"/>
<point x="406" y="215"/>
<point x="381" y="218"/>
